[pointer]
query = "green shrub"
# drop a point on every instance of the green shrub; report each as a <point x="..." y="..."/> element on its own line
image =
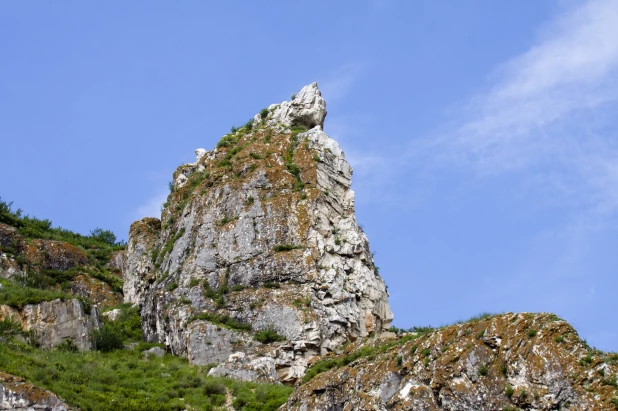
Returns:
<point x="264" y="113"/>
<point x="559" y="339"/>
<point x="509" y="391"/>
<point x="194" y="282"/>
<point x="285" y="247"/>
<point x="483" y="370"/>
<point x="68" y="345"/>
<point x="9" y="329"/>
<point x="268" y="335"/>
<point x="107" y="338"/>
<point x="172" y="286"/>
<point x="532" y="333"/>
<point x="272" y="284"/>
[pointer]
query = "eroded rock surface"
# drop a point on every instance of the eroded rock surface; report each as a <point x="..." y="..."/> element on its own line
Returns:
<point x="17" y="394"/>
<point x="52" y="322"/>
<point x="260" y="230"/>
<point x="506" y="362"/>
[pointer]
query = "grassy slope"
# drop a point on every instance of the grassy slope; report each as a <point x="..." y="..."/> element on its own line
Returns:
<point x="126" y="379"/>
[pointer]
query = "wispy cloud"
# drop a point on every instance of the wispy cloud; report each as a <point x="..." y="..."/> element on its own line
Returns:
<point x="536" y="110"/>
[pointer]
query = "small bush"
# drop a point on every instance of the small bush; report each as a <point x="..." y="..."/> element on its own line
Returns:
<point x="264" y="113"/>
<point x="509" y="391"/>
<point x="483" y="370"/>
<point x="250" y="200"/>
<point x="559" y="339"/>
<point x="268" y="335"/>
<point x="255" y="156"/>
<point x="272" y="284"/>
<point x="399" y="360"/>
<point x="172" y="286"/>
<point x="106" y="339"/>
<point x="426" y="352"/>
<point x="532" y="333"/>
<point x="67" y="346"/>
<point x="285" y="247"/>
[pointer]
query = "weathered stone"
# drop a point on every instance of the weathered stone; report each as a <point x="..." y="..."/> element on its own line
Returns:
<point x="506" y="362"/>
<point x="308" y="109"/>
<point x="17" y="394"/>
<point x="113" y="314"/>
<point x="265" y="235"/>
<point x="52" y="322"/>
<point x="154" y="351"/>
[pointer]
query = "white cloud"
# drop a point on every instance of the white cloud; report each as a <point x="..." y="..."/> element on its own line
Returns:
<point x="540" y="115"/>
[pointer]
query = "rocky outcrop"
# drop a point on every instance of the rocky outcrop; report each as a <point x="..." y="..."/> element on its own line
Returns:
<point x="507" y="362"/>
<point x="259" y="234"/>
<point x="52" y="322"/>
<point x="44" y="264"/>
<point x="17" y="394"/>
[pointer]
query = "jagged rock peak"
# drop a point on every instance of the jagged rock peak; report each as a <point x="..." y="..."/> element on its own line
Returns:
<point x="258" y="263"/>
<point x="307" y="108"/>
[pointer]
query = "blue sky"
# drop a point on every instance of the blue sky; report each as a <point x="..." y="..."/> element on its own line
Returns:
<point x="483" y="134"/>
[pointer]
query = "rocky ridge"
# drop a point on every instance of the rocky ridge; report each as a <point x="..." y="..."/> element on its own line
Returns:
<point x="506" y="362"/>
<point x="258" y="263"/>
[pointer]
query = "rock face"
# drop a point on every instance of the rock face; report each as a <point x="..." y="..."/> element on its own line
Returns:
<point x="52" y="322"/>
<point x="17" y="394"/>
<point x="506" y="362"/>
<point x="259" y="235"/>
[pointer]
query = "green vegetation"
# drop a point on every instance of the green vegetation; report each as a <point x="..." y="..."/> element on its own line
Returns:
<point x="17" y="296"/>
<point x="532" y="333"/>
<point x="250" y="200"/>
<point x="98" y="246"/>
<point x="113" y="378"/>
<point x="559" y="339"/>
<point x="126" y="380"/>
<point x="483" y="370"/>
<point x="268" y="335"/>
<point x="172" y="286"/>
<point x="272" y="284"/>
<point x="194" y="282"/>
<point x="285" y="247"/>
<point x="107" y="338"/>
<point x="289" y="157"/>
<point x="263" y="113"/>
<point x="222" y="320"/>
<point x="367" y="352"/>
<point x="509" y="391"/>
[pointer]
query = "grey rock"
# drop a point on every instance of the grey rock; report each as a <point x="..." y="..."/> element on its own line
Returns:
<point x="113" y="314"/>
<point x="52" y="322"/>
<point x="17" y="394"/>
<point x="226" y="233"/>
<point x="155" y="351"/>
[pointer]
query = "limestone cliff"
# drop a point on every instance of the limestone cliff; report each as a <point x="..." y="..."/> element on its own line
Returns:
<point x="258" y="242"/>
<point x="507" y="362"/>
